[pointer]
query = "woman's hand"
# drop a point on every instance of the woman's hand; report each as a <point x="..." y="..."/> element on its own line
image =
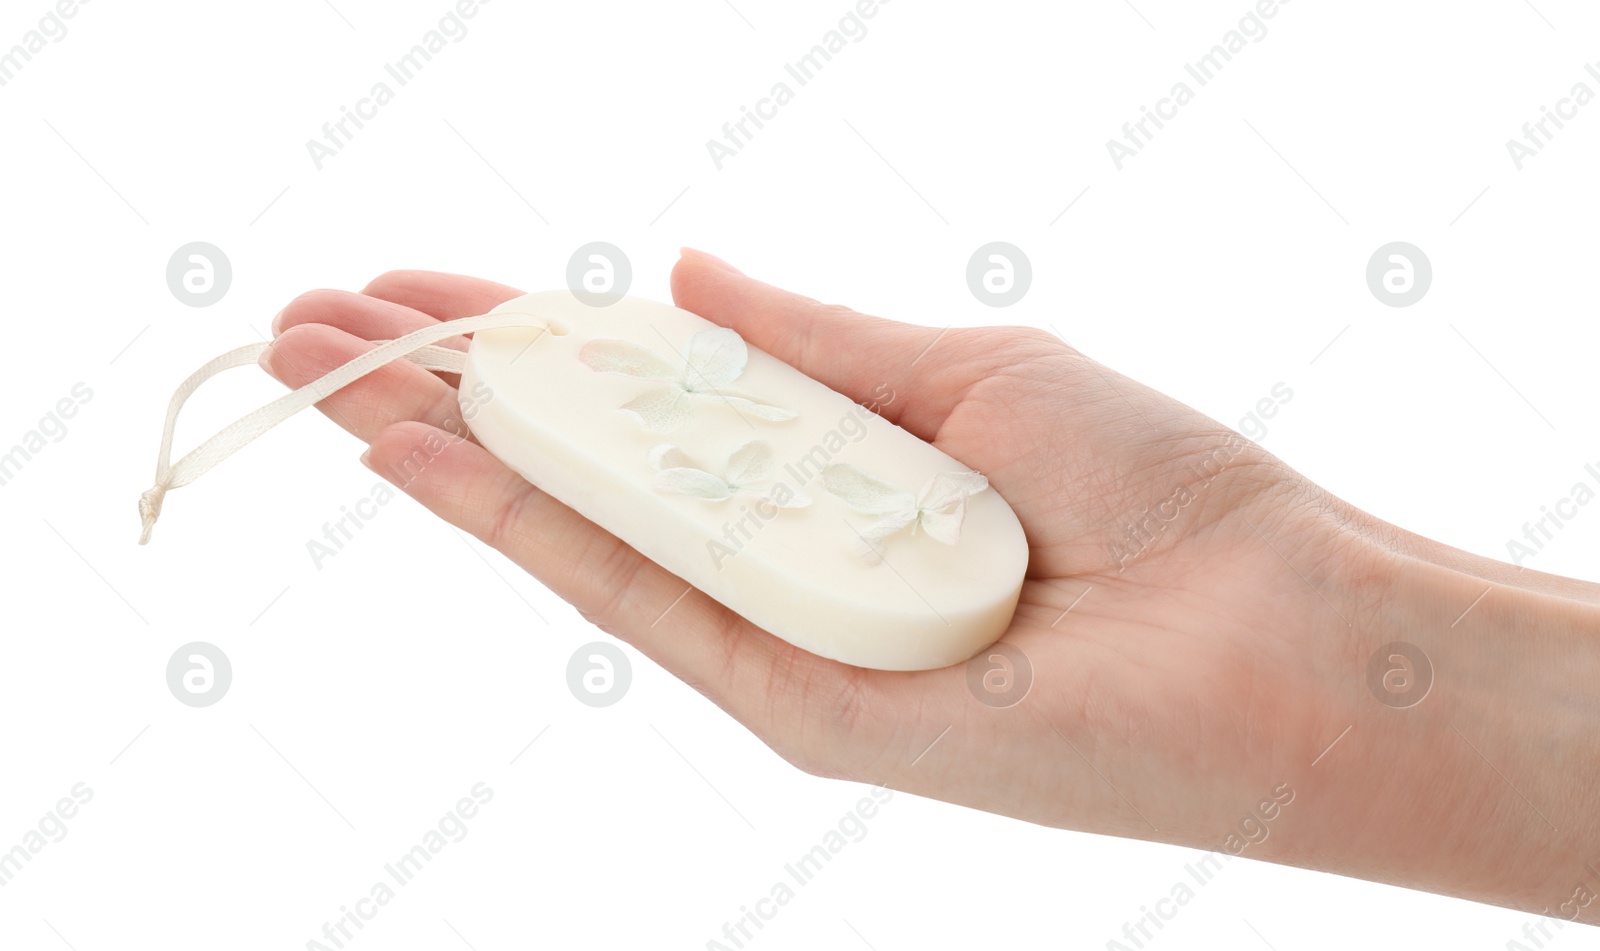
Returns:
<point x="1197" y="618"/>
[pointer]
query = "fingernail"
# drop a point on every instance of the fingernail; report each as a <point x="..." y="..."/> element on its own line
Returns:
<point x="277" y="322"/>
<point x="715" y="260"/>
<point x="366" y="458"/>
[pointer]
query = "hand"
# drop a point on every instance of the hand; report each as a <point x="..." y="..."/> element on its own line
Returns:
<point x="1197" y="616"/>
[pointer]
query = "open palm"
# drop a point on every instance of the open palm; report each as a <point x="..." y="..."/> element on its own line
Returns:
<point x="1164" y="552"/>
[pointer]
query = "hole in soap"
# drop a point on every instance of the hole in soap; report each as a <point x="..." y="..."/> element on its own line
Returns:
<point x="557" y="329"/>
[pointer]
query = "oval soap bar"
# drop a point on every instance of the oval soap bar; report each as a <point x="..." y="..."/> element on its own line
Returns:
<point x="804" y="512"/>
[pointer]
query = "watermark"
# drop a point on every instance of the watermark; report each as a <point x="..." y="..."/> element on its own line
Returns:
<point x="851" y="428"/>
<point x="199" y="274"/>
<point x="1553" y="518"/>
<point x="352" y="518"/>
<point x="1537" y="134"/>
<point x="52" y="827"/>
<point x="52" y="28"/>
<point x="52" y="428"/>
<point x="1140" y="535"/>
<point x="451" y="827"/>
<point x="999" y="274"/>
<point x="1001" y="676"/>
<point x="1137" y="134"/>
<point x="199" y="674"/>
<point x="337" y="133"/>
<point x="1399" y="274"/>
<point x="342" y="531"/>
<point x="599" y="274"/>
<point x="599" y="674"/>
<point x="1400" y="675"/>
<point x="851" y="828"/>
<point x="736" y="133"/>
<point x="1253" y="828"/>
<point x="1536" y="934"/>
<point x="1253" y="425"/>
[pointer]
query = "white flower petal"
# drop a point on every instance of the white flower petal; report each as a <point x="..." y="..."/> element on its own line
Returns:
<point x="886" y="525"/>
<point x="715" y="358"/>
<point x="944" y="525"/>
<point x="620" y="356"/>
<point x="867" y="494"/>
<point x="947" y="488"/>
<point x="873" y="536"/>
<point x="773" y="414"/>
<point x="749" y="462"/>
<point x="693" y="482"/>
<point x="668" y="456"/>
<point x="662" y="410"/>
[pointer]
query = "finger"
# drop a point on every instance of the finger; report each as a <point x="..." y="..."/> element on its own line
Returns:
<point x="392" y="393"/>
<point x="440" y="296"/>
<point x="776" y="689"/>
<point x="366" y="317"/>
<point x="899" y="367"/>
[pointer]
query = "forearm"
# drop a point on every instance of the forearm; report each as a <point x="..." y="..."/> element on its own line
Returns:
<point x="1489" y="787"/>
<point x="1495" y="572"/>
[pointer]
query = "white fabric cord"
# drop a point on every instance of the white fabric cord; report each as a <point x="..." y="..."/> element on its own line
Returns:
<point x="416" y="347"/>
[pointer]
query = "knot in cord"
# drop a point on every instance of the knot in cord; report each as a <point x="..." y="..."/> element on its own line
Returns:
<point x="150" y="509"/>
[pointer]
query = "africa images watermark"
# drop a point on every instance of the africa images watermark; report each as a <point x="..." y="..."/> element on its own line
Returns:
<point x="52" y="428"/>
<point x="1253" y="829"/>
<point x="1252" y="28"/>
<point x="851" y="827"/>
<point x="1140" y="535"/>
<point x="52" y="28"/>
<point x="736" y="134"/>
<point x="353" y="518"/>
<point x="1538" y="934"/>
<point x="1537" y="134"/>
<point x="1555" y="517"/>
<point x="451" y="827"/>
<point x="52" y="827"/>
<point x="851" y="428"/>
<point x="336" y="133"/>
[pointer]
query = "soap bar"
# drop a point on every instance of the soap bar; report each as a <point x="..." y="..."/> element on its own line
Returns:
<point x="806" y="513"/>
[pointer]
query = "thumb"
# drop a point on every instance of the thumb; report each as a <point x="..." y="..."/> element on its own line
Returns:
<point x="862" y="357"/>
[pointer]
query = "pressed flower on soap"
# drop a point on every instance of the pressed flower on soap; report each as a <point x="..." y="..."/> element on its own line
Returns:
<point x="937" y="511"/>
<point x="713" y="360"/>
<point x="745" y="474"/>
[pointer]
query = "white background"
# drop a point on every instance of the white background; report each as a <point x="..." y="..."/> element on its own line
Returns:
<point x="370" y="695"/>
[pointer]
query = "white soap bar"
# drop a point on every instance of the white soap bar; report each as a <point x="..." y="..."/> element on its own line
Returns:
<point x="806" y="513"/>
